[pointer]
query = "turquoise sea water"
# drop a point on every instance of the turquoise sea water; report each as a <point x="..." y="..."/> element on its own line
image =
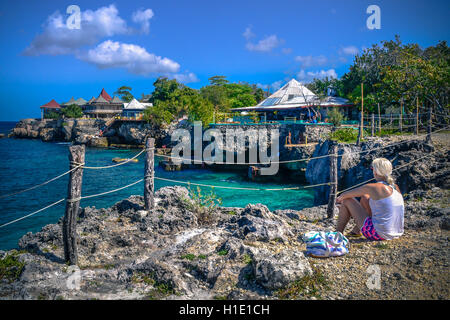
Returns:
<point x="25" y="163"/>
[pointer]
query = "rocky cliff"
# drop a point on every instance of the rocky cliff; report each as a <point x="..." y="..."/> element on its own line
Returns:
<point x="354" y="165"/>
<point x="172" y="252"/>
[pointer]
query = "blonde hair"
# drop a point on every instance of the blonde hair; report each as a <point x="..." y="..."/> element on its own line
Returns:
<point x="383" y="168"/>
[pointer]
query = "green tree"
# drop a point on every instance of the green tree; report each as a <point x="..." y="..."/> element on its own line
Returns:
<point x="72" y="111"/>
<point x="218" y="80"/>
<point x="124" y="93"/>
<point x="157" y="115"/>
<point x="200" y="109"/>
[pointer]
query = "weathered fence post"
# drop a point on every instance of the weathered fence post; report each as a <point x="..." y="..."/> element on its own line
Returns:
<point x="379" y="119"/>
<point x="417" y="116"/>
<point x="372" y="126"/>
<point x="149" y="181"/>
<point x="332" y="151"/>
<point x="429" y="141"/>
<point x="76" y="158"/>
<point x="361" y="124"/>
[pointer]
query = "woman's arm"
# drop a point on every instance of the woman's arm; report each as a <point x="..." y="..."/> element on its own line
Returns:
<point x="358" y="192"/>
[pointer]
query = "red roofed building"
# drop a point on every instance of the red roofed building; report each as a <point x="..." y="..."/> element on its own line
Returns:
<point x="49" y="107"/>
<point x="103" y="107"/>
<point x="105" y="95"/>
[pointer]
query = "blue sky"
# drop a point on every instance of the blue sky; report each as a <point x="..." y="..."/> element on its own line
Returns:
<point x="133" y="42"/>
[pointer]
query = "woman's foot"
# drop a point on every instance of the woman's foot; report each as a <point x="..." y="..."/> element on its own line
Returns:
<point x="354" y="233"/>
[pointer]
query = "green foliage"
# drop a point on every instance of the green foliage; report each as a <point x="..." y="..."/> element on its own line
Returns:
<point x="348" y="135"/>
<point x="392" y="71"/>
<point x="200" y="109"/>
<point x="188" y="256"/>
<point x="335" y="117"/>
<point x="52" y="115"/>
<point x="124" y="93"/>
<point x="223" y="252"/>
<point x="158" y="115"/>
<point x="203" y="205"/>
<point x="11" y="267"/>
<point x="218" y="80"/>
<point x="72" y="111"/>
<point x="247" y="259"/>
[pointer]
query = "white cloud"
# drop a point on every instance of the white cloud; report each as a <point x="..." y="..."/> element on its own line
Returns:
<point x="265" y="45"/>
<point x="57" y="39"/>
<point x="308" y="76"/>
<point x="274" y="86"/>
<point x="286" y="50"/>
<point x="248" y="34"/>
<point x="143" y="17"/>
<point x="350" y="50"/>
<point x="112" y="54"/>
<point x="186" y="77"/>
<point x="311" y="61"/>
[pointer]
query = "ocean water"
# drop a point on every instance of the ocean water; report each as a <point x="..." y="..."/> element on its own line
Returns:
<point x="25" y="163"/>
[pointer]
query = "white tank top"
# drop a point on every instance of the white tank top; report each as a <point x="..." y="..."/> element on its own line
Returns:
<point x="388" y="215"/>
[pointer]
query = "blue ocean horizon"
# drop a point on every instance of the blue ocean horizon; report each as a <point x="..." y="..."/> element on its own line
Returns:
<point x="27" y="162"/>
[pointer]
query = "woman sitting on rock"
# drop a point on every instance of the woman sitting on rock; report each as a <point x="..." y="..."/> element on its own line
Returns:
<point x="379" y="214"/>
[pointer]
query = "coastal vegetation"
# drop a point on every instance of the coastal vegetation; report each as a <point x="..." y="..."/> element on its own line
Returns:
<point x="72" y="111"/>
<point x="392" y="72"/>
<point x="173" y="100"/>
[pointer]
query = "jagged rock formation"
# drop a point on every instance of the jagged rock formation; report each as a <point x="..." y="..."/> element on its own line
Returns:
<point x="354" y="167"/>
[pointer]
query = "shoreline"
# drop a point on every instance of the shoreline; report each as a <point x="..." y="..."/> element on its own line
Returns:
<point x="171" y="253"/>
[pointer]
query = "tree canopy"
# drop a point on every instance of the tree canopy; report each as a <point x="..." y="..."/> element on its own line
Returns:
<point x="124" y="93"/>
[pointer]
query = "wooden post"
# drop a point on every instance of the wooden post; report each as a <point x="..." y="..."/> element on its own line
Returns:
<point x="379" y="119"/>
<point x="372" y="126"/>
<point x="149" y="181"/>
<point x="332" y="151"/>
<point x="76" y="157"/>
<point x="390" y="121"/>
<point x="417" y="115"/>
<point x="429" y="141"/>
<point x="401" y="114"/>
<point x="361" y="124"/>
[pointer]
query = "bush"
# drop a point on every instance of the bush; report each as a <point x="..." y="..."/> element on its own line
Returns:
<point x="52" y="115"/>
<point x="203" y="205"/>
<point x="349" y="135"/>
<point x="72" y="111"/>
<point x="335" y="117"/>
<point x="157" y="115"/>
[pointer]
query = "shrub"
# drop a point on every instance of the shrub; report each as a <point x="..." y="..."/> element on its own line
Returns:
<point x="157" y="115"/>
<point x="72" y="111"/>
<point x="203" y="205"/>
<point x="335" y="117"/>
<point x="11" y="267"/>
<point x="349" y="135"/>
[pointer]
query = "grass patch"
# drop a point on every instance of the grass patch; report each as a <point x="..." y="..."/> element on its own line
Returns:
<point x="160" y="289"/>
<point x="382" y="246"/>
<point x="347" y="135"/>
<point x="308" y="286"/>
<point x="247" y="259"/>
<point x="222" y="252"/>
<point x="10" y="267"/>
<point x="188" y="256"/>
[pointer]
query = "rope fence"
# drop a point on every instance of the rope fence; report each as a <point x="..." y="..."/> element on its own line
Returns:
<point x="77" y="165"/>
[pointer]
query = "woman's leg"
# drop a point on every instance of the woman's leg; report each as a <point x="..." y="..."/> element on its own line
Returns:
<point x="351" y="208"/>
